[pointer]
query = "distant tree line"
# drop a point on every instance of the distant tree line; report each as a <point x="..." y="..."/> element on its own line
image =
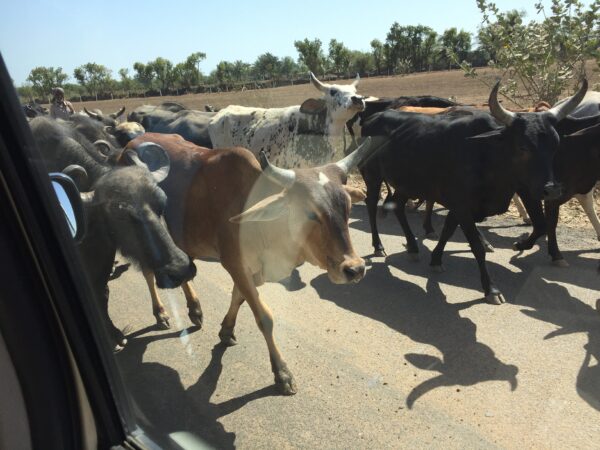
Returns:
<point x="406" y="49"/>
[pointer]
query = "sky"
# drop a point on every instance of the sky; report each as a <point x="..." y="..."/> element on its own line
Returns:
<point x="68" y="33"/>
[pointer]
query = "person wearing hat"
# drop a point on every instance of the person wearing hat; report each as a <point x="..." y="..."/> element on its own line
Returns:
<point x="60" y="108"/>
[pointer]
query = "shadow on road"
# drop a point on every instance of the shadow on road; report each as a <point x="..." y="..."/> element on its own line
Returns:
<point x="573" y="316"/>
<point x="165" y="406"/>
<point x="423" y="316"/>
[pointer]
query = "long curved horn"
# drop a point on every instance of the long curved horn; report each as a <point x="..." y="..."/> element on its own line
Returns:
<point x="355" y="82"/>
<point x="100" y="143"/>
<point x="118" y="113"/>
<point x="356" y="157"/>
<point x="283" y="177"/>
<point x="500" y="114"/>
<point x="316" y="83"/>
<point x="565" y="108"/>
<point x="78" y="174"/>
<point x="91" y="114"/>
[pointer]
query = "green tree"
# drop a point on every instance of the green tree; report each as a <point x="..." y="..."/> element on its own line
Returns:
<point x="339" y="57"/>
<point x="361" y="62"/>
<point x="311" y="55"/>
<point x="224" y="73"/>
<point x="144" y="75"/>
<point x="378" y="55"/>
<point x="454" y="44"/>
<point x="542" y="58"/>
<point x="240" y="71"/>
<point x="25" y="92"/>
<point x="288" y="67"/>
<point x="163" y="73"/>
<point x="43" y="79"/>
<point x="266" y="66"/>
<point x="95" y="78"/>
<point x="187" y="73"/>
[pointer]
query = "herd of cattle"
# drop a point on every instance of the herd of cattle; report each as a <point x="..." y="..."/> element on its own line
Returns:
<point x="258" y="189"/>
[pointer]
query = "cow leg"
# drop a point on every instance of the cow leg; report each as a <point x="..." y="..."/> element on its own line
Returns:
<point x="429" y="231"/>
<point x="587" y="203"/>
<point x="158" y="309"/>
<point x="486" y="244"/>
<point x="448" y="229"/>
<point x="115" y="333"/>
<point x="193" y="304"/>
<point x="228" y="325"/>
<point x="521" y="209"/>
<point x="373" y="189"/>
<point x="411" y="241"/>
<point x="536" y="213"/>
<point x="552" y="209"/>
<point x="492" y="294"/>
<point x="264" y="319"/>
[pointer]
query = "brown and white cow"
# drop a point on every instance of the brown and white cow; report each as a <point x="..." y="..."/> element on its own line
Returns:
<point x="260" y="223"/>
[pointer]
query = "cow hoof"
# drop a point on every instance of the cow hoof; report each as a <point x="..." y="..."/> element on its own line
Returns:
<point x="284" y="380"/>
<point x="227" y="337"/>
<point x="489" y="248"/>
<point x="117" y="348"/>
<point x="196" y="317"/>
<point x="380" y="252"/>
<point x="495" y="298"/>
<point x="432" y="235"/>
<point x="162" y="322"/>
<point x="520" y="246"/>
<point x="560" y="263"/>
<point x="413" y="256"/>
<point x="437" y="269"/>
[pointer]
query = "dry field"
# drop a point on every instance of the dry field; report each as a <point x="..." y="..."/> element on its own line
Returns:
<point x="443" y="84"/>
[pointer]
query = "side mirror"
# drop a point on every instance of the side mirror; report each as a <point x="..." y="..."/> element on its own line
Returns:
<point x="70" y="202"/>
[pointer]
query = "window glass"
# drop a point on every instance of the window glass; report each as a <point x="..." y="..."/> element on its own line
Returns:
<point x="272" y="194"/>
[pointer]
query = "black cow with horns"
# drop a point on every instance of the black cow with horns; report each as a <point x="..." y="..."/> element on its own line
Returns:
<point x="472" y="163"/>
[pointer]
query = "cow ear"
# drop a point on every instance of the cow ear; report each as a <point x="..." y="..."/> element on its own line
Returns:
<point x="270" y="208"/>
<point x="356" y="195"/>
<point x="490" y="135"/>
<point x="151" y="156"/>
<point x="313" y="106"/>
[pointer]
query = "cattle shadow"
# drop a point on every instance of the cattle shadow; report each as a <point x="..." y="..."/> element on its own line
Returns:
<point x="163" y="405"/>
<point x="424" y="316"/>
<point x="549" y="302"/>
<point x="572" y="316"/>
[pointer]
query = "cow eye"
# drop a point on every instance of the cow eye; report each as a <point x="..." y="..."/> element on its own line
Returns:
<point x="333" y="92"/>
<point x="313" y="216"/>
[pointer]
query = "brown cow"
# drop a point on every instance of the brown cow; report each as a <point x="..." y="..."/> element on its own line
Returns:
<point x="260" y="224"/>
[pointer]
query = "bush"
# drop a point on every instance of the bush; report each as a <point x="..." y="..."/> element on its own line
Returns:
<point x="539" y="60"/>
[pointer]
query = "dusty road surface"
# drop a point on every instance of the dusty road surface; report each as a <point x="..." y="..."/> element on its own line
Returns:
<point x="405" y="358"/>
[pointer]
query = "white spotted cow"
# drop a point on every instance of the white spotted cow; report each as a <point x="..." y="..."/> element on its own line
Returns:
<point x="296" y="136"/>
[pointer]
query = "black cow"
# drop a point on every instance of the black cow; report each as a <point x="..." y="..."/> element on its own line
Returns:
<point x="468" y="163"/>
<point x="577" y="167"/>
<point x="33" y="109"/>
<point x="117" y="135"/>
<point x="108" y="120"/>
<point x="168" y="118"/>
<point x="123" y="209"/>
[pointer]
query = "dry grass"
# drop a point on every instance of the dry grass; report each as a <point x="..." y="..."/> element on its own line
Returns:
<point x="442" y="84"/>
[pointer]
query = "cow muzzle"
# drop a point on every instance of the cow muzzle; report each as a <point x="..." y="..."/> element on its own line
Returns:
<point x="349" y="271"/>
<point x="171" y="277"/>
<point x="358" y="101"/>
<point x="552" y="190"/>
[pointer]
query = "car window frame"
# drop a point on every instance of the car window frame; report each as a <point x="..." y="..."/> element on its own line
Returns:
<point x="59" y="299"/>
